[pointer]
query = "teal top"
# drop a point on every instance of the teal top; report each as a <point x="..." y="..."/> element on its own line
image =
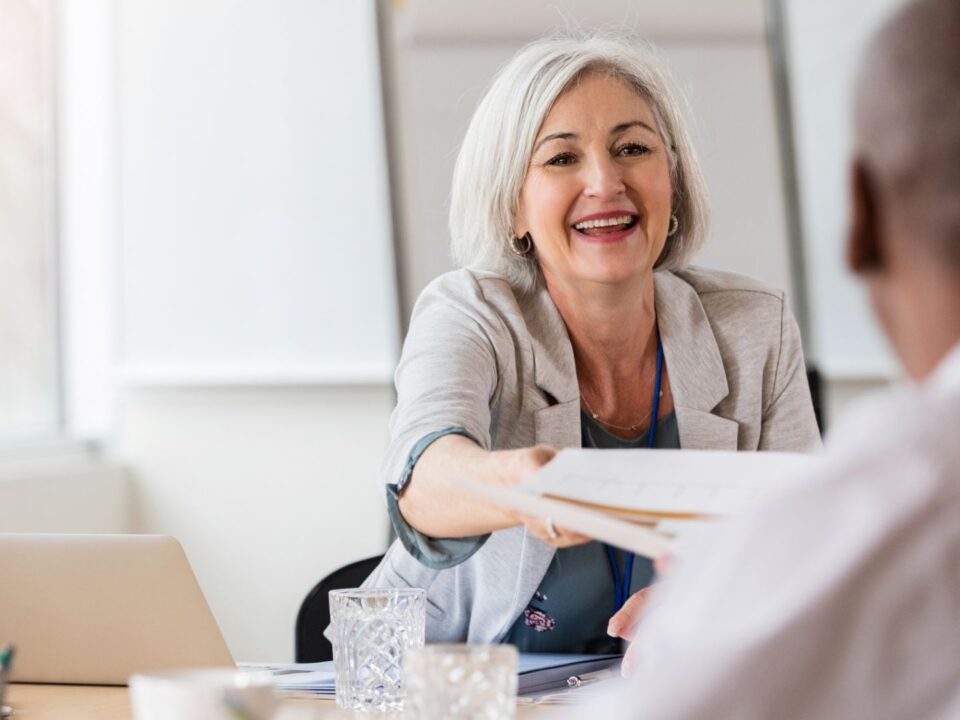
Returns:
<point x="571" y="608"/>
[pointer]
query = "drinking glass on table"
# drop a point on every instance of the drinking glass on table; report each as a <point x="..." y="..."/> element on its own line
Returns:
<point x="372" y="630"/>
<point x="461" y="681"/>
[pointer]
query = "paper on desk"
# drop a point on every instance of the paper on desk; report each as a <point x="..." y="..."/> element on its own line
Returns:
<point x="315" y="678"/>
<point x="622" y="496"/>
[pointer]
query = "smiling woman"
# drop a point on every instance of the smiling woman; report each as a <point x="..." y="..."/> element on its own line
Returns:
<point x="577" y="203"/>
<point x="597" y="196"/>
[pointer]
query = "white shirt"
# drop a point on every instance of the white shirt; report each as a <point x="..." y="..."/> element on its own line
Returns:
<point x="840" y="599"/>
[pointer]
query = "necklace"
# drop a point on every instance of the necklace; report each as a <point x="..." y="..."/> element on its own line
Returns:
<point x="630" y="428"/>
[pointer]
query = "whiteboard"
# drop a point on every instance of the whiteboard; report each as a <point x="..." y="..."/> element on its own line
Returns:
<point x="825" y="41"/>
<point x="256" y="241"/>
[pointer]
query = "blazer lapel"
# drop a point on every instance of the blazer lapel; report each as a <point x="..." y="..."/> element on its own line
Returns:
<point x="701" y="430"/>
<point x="698" y="379"/>
<point x="555" y="373"/>
<point x="559" y="425"/>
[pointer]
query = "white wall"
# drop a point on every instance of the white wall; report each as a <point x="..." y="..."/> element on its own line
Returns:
<point x="63" y="488"/>
<point x="267" y="489"/>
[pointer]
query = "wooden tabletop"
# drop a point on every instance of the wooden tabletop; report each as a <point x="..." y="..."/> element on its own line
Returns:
<point x="80" y="702"/>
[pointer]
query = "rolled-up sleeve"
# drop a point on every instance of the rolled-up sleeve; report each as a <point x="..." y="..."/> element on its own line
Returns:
<point x="436" y="553"/>
<point x="446" y="381"/>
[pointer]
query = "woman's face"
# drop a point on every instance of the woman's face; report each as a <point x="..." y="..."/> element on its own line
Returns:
<point x="597" y="196"/>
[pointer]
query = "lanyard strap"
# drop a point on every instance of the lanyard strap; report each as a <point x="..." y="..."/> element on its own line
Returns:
<point x="622" y="585"/>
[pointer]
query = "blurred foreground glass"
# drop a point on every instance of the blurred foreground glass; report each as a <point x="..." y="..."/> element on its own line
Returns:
<point x="372" y="631"/>
<point x="461" y="681"/>
<point x="206" y="694"/>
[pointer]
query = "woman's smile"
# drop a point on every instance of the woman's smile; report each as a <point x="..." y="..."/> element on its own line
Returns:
<point x="605" y="227"/>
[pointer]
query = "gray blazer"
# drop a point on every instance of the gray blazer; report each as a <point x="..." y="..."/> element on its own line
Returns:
<point x="501" y="367"/>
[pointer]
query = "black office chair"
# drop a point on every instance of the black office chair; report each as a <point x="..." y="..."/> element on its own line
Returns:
<point x="814" y="380"/>
<point x="309" y="643"/>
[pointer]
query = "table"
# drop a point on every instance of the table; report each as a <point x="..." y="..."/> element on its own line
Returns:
<point x="81" y="702"/>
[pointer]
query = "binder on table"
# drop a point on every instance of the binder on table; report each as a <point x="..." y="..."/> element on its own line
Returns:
<point x="536" y="672"/>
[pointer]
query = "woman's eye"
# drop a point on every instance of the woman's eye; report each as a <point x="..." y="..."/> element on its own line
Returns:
<point x="632" y="149"/>
<point x="562" y="159"/>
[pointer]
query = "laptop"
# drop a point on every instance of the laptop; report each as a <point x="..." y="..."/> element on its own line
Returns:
<point x="95" y="609"/>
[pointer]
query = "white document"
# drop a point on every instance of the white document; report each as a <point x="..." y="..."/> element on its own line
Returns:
<point x="628" y="497"/>
<point x="315" y="678"/>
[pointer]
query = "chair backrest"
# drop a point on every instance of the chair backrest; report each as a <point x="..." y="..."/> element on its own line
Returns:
<point x="310" y="645"/>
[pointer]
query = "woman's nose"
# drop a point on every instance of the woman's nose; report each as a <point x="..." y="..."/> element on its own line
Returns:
<point x="603" y="179"/>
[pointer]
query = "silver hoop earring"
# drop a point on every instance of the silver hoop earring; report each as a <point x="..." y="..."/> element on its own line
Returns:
<point x="522" y="246"/>
<point x="674" y="224"/>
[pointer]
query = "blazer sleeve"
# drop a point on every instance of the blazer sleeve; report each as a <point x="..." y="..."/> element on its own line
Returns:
<point x="446" y="381"/>
<point x="788" y="422"/>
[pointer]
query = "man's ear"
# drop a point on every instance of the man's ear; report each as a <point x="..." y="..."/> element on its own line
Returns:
<point x="864" y="251"/>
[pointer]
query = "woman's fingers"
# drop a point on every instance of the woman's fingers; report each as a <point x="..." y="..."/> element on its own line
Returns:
<point x="530" y="460"/>
<point x="515" y="466"/>
<point x="551" y="534"/>
<point x="520" y="465"/>
<point x="568" y="538"/>
<point x="662" y="563"/>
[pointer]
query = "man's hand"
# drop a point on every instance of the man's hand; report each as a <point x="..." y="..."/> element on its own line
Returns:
<point x="626" y="620"/>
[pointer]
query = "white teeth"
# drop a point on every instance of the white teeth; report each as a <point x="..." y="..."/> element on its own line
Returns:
<point x="606" y="222"/>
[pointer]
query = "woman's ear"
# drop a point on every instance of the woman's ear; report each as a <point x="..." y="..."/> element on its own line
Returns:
<point x="864" y="250"/>
<point x="518" y="223"/>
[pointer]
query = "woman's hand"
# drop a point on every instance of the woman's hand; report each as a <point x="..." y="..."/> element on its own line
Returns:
<point x="544" y="529"/>
<point x="626" y="620"/>
<point x="517" y="466"/>
<point x="431" y="505"/>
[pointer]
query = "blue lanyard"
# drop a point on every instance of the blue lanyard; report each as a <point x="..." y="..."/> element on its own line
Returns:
<point x="622" y="585"/>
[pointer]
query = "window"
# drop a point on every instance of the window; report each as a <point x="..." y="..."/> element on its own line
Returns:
<point x="29" y="386"/>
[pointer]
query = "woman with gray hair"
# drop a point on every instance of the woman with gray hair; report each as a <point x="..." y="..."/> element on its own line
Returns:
<point x="575" y="321"/>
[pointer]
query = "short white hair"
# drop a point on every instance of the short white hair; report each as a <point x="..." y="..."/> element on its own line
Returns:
<point x="496" y="149"/>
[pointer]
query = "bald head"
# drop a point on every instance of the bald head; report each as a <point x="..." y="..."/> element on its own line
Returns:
<point x="907" y="121"/>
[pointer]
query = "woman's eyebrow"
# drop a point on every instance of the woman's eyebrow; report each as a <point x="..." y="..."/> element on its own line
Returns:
<point x="617" y="130"/>
<point x="623" y="127"/>
<point x="555" y="136"/>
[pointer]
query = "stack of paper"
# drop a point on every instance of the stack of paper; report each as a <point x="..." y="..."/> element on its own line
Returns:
<point x="314" y="678"/>
<point x="624" y="497"/>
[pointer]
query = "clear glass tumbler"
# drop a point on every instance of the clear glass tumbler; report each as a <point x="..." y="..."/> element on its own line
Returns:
<point x="372" y="631"/>
<point x="461" y="681"/>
